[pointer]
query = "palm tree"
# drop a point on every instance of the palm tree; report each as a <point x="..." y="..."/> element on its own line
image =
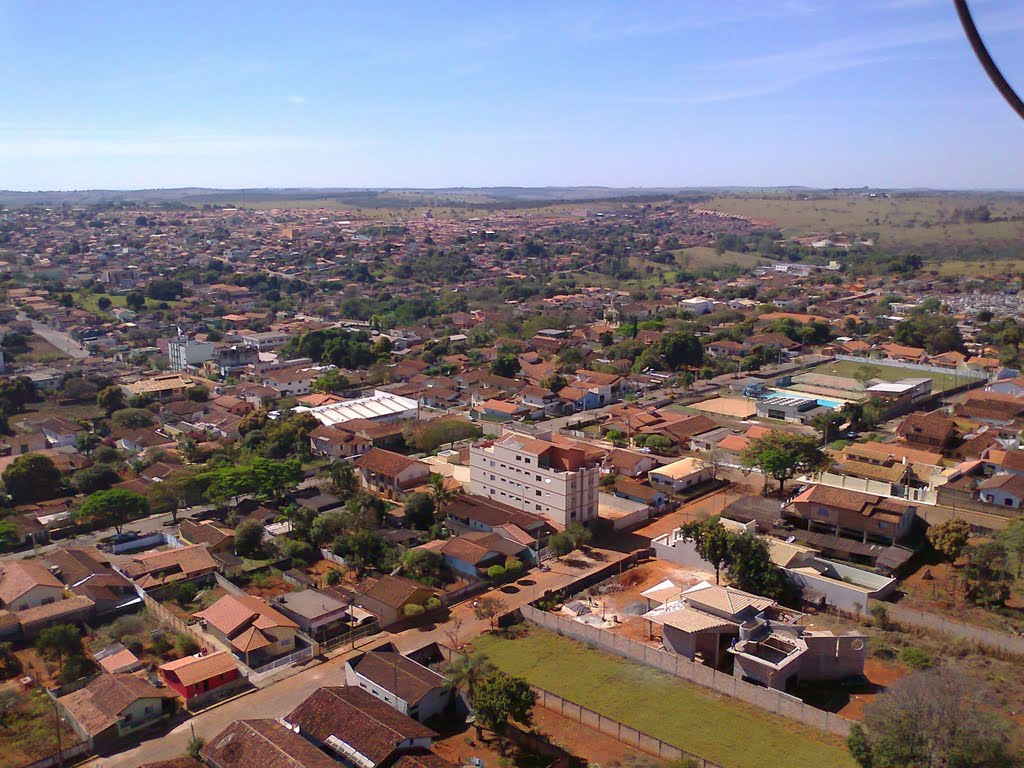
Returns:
<point x="465" y="672"/>
<point x="441" y="495"/>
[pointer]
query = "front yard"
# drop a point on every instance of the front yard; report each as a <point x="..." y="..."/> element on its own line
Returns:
<point x="719" y="729"/>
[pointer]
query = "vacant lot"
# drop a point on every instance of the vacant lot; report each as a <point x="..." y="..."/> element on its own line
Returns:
<point x="704" y="257"/>
<point x="848" y="369"/>
<point x="901" y="220"/>
<point x="721" y="730"/>
<point x="27" y="731"/>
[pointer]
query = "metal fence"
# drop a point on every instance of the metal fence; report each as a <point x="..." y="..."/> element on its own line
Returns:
<point x="618" y="731"/>
<point x="767" y="699"/>
<point x="259" y="674"/>
<point x="989" y="638"/>
<point x="349" y="638"/>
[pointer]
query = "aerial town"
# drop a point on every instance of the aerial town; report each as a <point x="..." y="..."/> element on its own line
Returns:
<point x="428" y="481"/>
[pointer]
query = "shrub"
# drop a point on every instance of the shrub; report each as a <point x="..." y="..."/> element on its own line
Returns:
<point x="497" y="573"/>
<point x="513" y="569"/>
<point x="412" y="610"/>
<point x="185" y="645"/>
<point x="298" y="550"/>
<point x="333" y="577"/>
<point x="915" y="659"/>
<point x="182" y="592"/>
<point x="124" y="626"/>
<point x="432" y="604"/>
<point x="75" y="667"/>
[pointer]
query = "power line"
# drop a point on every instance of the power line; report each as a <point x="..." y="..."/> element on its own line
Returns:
<point x="974" y="38"/>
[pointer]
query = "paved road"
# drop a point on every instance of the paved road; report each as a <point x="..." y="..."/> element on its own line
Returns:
<point x="281" y="697"/>
<point x="59" y="339"/>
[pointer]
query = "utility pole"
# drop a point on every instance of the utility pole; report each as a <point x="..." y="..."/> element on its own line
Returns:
<point x="56" y="717"/>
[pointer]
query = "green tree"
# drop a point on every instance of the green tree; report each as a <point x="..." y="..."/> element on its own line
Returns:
<point x="950" y="538"/>
<point x="331" y="380"/>
<point x="98" y="477"/>
<point x="506" y="365"/>
<point x="249" y="538"/>
<point x="986" y="577"/>
<point x="466" y="672"/>
<point x="938" y="718"/>
<point x="327" y="526"/>
<point x="424" y="565"/>
<point x="134" y="300"/>
<point x="113" y="507"/>
<point x="110" y="399"/>
<point x="490" y="609"/>
<point x="343" y="478"/>
<point x="782" y="456"/>
<point x="32" y="477"/>
<point x="556" y="382"/>
<point x="750" y="568"/>
<point x="8" y="533"/>
<point x="60" y="642"/>
<point x="419" y="511"/>
<point x="715" y="546"/>
<point x="440" y="494"/>
<point x="501" y="698"/>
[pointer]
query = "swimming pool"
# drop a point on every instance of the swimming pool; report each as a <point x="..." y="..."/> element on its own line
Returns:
<point x="822" y="401"/>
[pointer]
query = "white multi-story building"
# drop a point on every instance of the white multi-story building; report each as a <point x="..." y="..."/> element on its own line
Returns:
<point x="536" y="475"/>
<point x="186" y="353"/>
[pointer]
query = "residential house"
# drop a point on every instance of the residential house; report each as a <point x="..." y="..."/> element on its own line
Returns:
<point x="215" y="536"/>
<point x="680" y="475"/>
<point x="203" y="673"/>
<point x="541" y="402"/>
<point x="390" y="474"/>
<point x="641" y="492"/>
<point x="164" y="386"/>
<point x="904" y="353"/>
<point x="155" y="570"/>
<point x="115" y="707"/>
<point x="476" y="513"/>
<point x="929" y="430"/>
<point x="60" y="433"/>
<point x="629" y="463"/>
<point x="471" y="554"/>
<point x="316" y="613"/>
<point x="263" y="744"/>
<point x="88" y="573"/>
<point x="253" y="629"/>
<point x="409" y="687"/>
<point x="1004" y="490"/>
<point x="338" y="442"/>
<point x="388" y="596"/>
<point x="860" y="516"/>
<point x="357" y="726"/>
<point x="27" y="584"/>
<point x="606" y="386"/>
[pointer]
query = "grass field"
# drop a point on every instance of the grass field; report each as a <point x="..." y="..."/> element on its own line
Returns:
<point x="917" y="220"/>
<point x="89" y="302"/>
<point x="940" y="381"/>
<point x="703" y="257"/>
<point x="721" y="730"/>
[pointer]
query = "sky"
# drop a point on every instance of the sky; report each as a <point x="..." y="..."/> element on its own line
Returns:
<point x="149" y="94"/>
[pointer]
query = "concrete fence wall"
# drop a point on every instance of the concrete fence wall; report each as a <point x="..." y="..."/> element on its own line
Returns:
<point x="989" y="638"/>
<point x="764" y="698"/>
<point x="618" y="731"/>
<point x="68" y="756"/>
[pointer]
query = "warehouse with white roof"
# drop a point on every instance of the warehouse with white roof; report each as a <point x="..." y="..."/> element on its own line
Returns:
<point x="380" y="407"/>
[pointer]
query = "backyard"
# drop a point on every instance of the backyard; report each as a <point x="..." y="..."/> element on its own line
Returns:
<point x="721" y="730"/>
